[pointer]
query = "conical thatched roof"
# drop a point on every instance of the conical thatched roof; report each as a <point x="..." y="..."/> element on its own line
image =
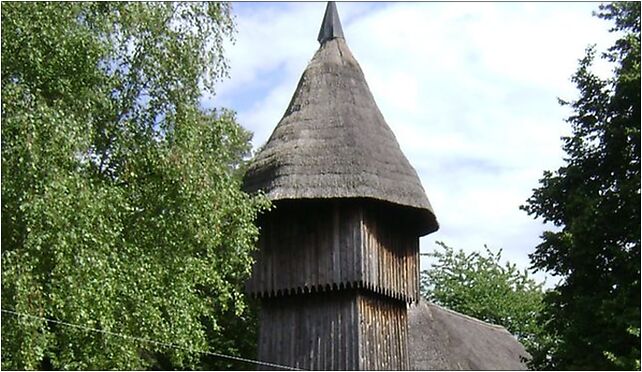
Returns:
<point x="442" y="339"/>
<point x="333" y="142"/>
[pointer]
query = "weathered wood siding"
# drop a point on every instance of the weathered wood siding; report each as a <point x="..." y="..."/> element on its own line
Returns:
<point x="383" y="333"/>
<point x="391" y="255"/>
<point x="307" y="250"/>
<point x="311" y="331"/>
<point x="334" y="245"/>
<point x="344" y="330"/>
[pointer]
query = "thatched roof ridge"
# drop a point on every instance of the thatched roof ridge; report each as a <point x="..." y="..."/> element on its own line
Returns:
<point x="333" y="142"/>
<point x="442" y="339"/>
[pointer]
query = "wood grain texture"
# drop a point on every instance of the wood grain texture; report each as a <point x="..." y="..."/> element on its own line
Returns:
<point x="343" y="330"/>
<point x="318" y="246"/>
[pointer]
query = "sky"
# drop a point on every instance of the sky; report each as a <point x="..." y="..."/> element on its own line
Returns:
<point x="469" y="89"/>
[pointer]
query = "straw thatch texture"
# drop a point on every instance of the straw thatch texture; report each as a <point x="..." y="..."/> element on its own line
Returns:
<point x="333" y="142"/>
<point x="441" y="339"/>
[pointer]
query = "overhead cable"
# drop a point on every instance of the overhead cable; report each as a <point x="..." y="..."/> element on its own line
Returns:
<point x="165" y="344"/>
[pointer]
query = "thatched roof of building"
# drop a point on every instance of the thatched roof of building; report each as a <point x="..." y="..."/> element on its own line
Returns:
<point x="442" y="339"/>
<point x="333" y="141"/>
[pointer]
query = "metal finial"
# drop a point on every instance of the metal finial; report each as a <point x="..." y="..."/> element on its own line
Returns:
<point x="331" y="26"/>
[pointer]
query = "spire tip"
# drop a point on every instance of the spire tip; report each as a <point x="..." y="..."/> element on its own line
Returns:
<point x="331" y="25"/>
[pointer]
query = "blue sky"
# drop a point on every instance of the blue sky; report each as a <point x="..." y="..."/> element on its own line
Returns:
<point x="469" y="89"/>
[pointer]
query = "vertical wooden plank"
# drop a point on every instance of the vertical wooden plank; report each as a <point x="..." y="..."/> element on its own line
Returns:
<point x="274" y="257"/>
<point x="384" y="261"/>
<point x="323" y="314"/>
<point x="398" y="281"/>
<point x="334" y="337"/>
<point x="345" y="247"/>
<point x="404" y="337"/>
<point x="351" y="328"/>
<point x="355" y="243"/>
<point x="296" y="248"/>
<point x="260" y="352"/>
<point x="296" y="353"/>
<point x="364" y="259"/>
<point x="320" y="328"/>
<point x="360" y="242"/>
<point x="278" y="329"/>
<point x="269" y="336"/>
<point x="342" y="336"/>
<point x="336" y="230"/>
<point x="368" y="251"/>
<point x="305" y="265"/>
<point x="312" y="250"/>
<point x="327" y="313"/>
<point x="377" y="341"/>
<point x="375" y="332"/>
<point x="391" y="254"/>
<point x="267" y="260"/>
<point x="323" y="236"/>
<point x="375" y="251"/>
<point x="313" y="336"/>
<point x="357" y="325"/>
<point x="317" y="351"/>
<point x="309" y="336"/>
<point x="341" y="346"/>
<point x="389" y="266"/>
<point x="316" y="259"/>
<point x="385" y="332"/>
<point x="406" y="285"/>
<point x="289" y="336"/>
<point x="406" y="268"/>
<point x="393" y="341"/>
<point x="287" y="255"/>
<point x="274" y="250"/>
<point x="363" y="336"/>
<point x="379" y="257"/>
<point x="366" y="334"/>
<point x="383" y="306"/>
<point x="362" y="341"/>
<point x="416" y="276"/>
<point x="293" y="336"/>
<point x="344" y="333"/>
<point x="382" y="333"/>
<point x="380" y="337"/>
<point x="355" y="246"/>
<point x="398" y="336"/>
<point x="266" y="335"/>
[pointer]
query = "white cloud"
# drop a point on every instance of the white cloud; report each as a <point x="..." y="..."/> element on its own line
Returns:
<point x="469" y="89"/>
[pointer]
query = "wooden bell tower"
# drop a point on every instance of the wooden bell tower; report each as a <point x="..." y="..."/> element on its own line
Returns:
<point x="338" y="257"/>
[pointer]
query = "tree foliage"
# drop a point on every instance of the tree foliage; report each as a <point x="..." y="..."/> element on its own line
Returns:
<point x="121" y="201"/>
<point x="593" y="315"/>
<point x="479" y="285"/>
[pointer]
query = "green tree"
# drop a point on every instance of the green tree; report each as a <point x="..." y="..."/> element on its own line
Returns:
<point x="121" y="201"/>
<point x="479" y="285"/>
<point x="593" y="315"/>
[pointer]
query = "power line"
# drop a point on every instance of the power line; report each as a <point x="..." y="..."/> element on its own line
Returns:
<point x="165" y="344"/>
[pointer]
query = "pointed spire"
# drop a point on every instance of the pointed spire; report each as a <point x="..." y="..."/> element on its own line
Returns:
<point x="331" y="26"/>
